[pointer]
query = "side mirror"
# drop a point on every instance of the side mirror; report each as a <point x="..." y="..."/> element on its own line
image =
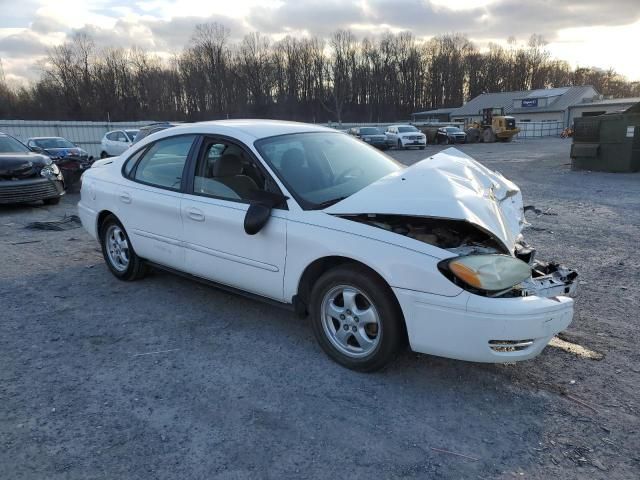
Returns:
<point x="259" y="210"/>
<point x="256" y="218"/>
<point x="36" y="149"/>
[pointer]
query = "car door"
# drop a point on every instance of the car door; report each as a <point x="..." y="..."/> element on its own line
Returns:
<point x="214" y="207"/>
<point x="149" y="199"/>
<point x="391" y="135"/>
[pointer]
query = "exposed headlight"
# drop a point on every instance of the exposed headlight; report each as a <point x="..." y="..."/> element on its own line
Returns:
<point x="50" y="170"/>
<point x="490" y="273"/>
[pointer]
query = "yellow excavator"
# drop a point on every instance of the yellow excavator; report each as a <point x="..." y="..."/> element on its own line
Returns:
<point x="495" y="126"/>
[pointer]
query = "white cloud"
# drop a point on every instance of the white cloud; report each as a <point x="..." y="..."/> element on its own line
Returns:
<point x="584" y="32"/>
<point x="605" y="47"/>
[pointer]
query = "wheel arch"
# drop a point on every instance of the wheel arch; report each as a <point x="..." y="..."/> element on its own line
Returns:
<point x="101" y="218"/>
<point x="318" y="267"/>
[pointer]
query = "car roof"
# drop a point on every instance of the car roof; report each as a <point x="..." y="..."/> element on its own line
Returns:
<point x="253" y="128"/>
<point x="43" y="138"/>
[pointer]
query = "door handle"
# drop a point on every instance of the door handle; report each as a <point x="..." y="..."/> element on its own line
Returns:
<point x="195" y="214"/>
<point x="125" y="197"/>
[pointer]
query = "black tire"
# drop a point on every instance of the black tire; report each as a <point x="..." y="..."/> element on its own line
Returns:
<point x="400" y="147"/>
<point x="391" y="330"/>
<point x="103" y="155"/>
<point x="136" y="268"/>
<point x="422" y="148"/>
<point x="51" y="201"/>
<point x="473" y="135"/>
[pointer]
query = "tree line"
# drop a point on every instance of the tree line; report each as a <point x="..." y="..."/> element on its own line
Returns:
<point x="308" y="79"/>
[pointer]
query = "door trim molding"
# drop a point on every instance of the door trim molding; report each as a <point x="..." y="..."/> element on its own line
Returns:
<point x="207" y="251"/>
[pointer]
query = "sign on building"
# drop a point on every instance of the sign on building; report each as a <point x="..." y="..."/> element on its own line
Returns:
<point x="530" y="102"/>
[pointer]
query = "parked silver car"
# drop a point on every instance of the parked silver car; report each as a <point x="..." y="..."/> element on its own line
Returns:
<point x="116" y="142"/>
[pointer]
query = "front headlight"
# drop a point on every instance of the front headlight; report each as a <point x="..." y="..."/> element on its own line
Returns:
<point x="50" y="170"/>
<point x="490" y="273"/>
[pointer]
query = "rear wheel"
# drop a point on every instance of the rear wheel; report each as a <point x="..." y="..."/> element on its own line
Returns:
<point x="473" y="135"/>
<point x="355" y="318"/>
<point x="118" y="252"/>
<point x="488" y="136"/>
<point x="104" y="155"/>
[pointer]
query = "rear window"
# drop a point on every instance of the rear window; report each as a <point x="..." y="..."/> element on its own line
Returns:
<point x="163" y="163"/>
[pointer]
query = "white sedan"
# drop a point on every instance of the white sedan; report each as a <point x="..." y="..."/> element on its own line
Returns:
<point x="376" y="254"/>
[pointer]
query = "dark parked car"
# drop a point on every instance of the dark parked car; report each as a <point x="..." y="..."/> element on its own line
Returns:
<point x="26" y="176"/>
<point x="71" y="159"/>
<point x="450" y="135"/>
<point x="152" y="128"/>
<point x="371" y="135"/>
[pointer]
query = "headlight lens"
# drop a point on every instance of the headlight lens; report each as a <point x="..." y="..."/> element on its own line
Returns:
<point x="490" y="273"/>
<point x="50" y="170"/>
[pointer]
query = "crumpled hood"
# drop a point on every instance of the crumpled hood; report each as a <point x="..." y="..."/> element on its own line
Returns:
<point x="448" y="185"/>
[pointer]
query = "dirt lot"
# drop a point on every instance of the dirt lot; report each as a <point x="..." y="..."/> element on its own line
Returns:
<point x="166" y="378"/>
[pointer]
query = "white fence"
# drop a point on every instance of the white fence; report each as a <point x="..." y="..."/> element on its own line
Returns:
<point x="87" y="135"/>
<point x="539" y="129"/>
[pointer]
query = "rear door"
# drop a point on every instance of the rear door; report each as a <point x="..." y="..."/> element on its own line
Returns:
<point x="149" y="201"/>
<point x="213" y="211"/>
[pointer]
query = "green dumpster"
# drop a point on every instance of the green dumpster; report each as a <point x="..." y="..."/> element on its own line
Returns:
<point x="607" y="143"/>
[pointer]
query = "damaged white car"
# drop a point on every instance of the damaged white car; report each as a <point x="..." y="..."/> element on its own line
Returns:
<point x="377" y="254"/>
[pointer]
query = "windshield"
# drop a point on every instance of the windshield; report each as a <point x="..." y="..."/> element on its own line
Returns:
<point x="131" y="134"/>
<point x="322" y="168"/>
<point x="11" y="145"/>
<point x="407" y="129"/>
<point x="453" y="129"/>
<point x="53" y="143"/>
<point x="369" y="131"/>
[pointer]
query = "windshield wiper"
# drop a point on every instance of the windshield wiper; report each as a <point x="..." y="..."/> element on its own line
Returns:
<point x="328" y="203"/>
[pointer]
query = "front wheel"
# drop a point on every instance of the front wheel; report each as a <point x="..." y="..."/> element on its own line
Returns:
<point x="400" y="147"/>
<point x="103" y="155"/>
<point x="355" y="318"/>
<point x="118" y="252"/>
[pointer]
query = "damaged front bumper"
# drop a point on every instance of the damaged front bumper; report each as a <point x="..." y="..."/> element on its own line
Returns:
<point x="549" y="279"/>
<point x="504" y="327"/>
<point x="482" y="329"/>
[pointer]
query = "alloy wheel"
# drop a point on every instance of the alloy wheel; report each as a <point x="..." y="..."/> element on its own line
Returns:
<point x="117" y="248"/>
<point x="350" y="321"/>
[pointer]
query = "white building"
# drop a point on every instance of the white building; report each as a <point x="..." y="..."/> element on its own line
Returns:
<point x="557" y="105"/>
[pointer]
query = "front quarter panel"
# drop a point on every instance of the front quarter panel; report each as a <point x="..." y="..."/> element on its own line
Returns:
<point x="315" y="235"/>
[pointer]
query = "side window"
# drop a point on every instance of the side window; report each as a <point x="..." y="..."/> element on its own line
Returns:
<point x="111" y="136"/>
<point x="131" y="162"/>
<point x="225" y="170"/>
<point x="162" y="164"/>
<point x="120" y="137"/>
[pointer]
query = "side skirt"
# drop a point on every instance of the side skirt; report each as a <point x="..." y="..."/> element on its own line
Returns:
<point x="222" y="286"/>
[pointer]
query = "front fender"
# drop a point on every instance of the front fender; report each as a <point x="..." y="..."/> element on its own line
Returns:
<point x="399" y="266"/>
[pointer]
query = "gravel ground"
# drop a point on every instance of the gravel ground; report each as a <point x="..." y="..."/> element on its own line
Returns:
<point x="166" y="378"/>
